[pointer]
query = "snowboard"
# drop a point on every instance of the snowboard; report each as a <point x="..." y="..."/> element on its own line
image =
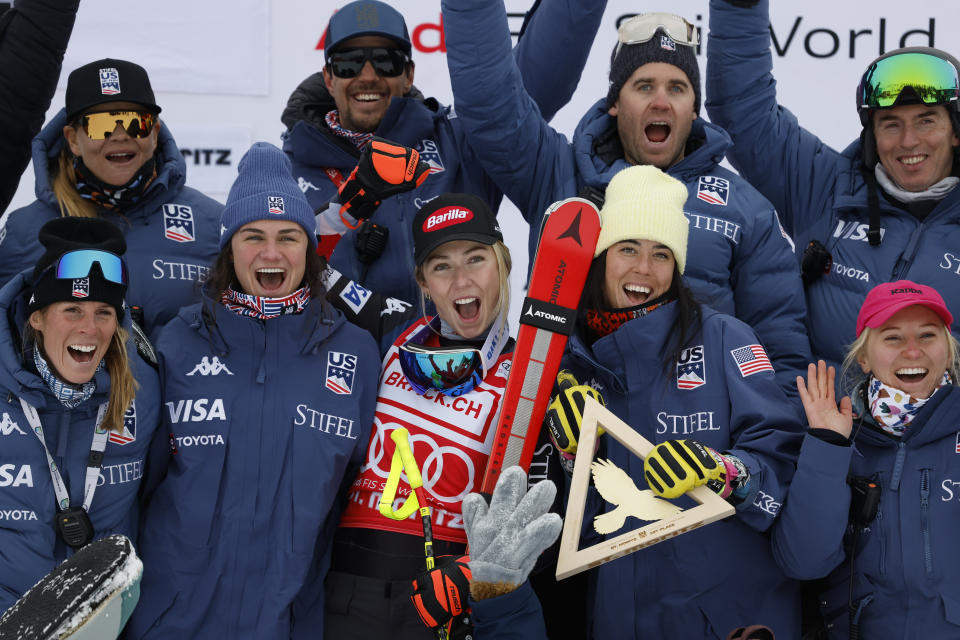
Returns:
<point x="89" y="596"/>
<point x="568" y="239"/>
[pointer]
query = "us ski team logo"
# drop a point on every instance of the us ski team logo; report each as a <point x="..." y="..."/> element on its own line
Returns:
<point x="958" y="439"/>
<point x="713" y="190"/>
<point x="81" y="287"/>
<point x="275" y="205"/>
<point x="109" y="81"/>
<point x="430" y="153"/>
<point x="129" y="427"/>
<point x="178" y="223"/>
<point x="666" y="42"/>
<point x="690" y="370"/>
<point x="340" y="370"/>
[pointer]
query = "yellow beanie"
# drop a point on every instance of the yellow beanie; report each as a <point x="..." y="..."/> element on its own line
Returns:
<point x="644" y="203"/>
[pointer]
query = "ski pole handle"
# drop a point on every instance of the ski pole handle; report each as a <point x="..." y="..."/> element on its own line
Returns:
<point x="401" y="438"/>
<point x="402" y="460"/>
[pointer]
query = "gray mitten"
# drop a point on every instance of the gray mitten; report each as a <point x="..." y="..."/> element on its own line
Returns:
<point x="507" y="537"/>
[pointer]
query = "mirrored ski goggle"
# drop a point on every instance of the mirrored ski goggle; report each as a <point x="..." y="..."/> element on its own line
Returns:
<point x="933" y="79"/>
<point x="451" y="371"/>
<point x="101" y="124"/>
<point x="347" y="63"/>
<point x="77" y="264"/>
<point x="642" y="28"/>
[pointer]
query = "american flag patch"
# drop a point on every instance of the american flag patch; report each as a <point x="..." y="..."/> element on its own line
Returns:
<point x="81" y="287"/>
<point x="340" y="370"/>
<point x="275" y="205"/>
<point x="129" y="427"/>
<point x="109" y="81"/>
<point x="713" y="190"/>
<point x="666" y="42"/>
<point x="751" y="359"/>
<point x="178" y="223"/>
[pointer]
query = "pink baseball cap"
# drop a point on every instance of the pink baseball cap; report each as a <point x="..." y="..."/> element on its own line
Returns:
<point x="884" y="300"/>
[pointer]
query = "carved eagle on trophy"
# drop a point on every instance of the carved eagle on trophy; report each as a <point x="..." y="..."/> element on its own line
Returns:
<point x="616" y="487"/>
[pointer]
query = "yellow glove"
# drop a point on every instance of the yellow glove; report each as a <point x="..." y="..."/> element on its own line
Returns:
<point x="677" y="466"/>
<point x="565" y="412"/>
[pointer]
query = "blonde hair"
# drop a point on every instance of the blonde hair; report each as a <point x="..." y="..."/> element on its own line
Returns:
<point x="64" y="184"/>
<point x="504" y="264"/>
<point x="123" y="386"/>
<point x="858" y="349"/>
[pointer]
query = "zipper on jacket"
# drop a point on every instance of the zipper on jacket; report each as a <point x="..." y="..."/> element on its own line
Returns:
<point x="898" y="466"/>
<point x="925" y="519"/>
<point x="883" y="543"/>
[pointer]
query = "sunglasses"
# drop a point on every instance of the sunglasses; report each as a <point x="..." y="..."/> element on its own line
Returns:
<point x="642" y="28"/>
<point x="934" y="80"/>
<point x="101" y="124"/>
<point x="451" y="371"/>
<point x="347" y="63"/>
<point x="78" y="264"/>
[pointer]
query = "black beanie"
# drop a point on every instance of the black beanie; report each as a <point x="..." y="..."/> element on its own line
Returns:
<point x="63" y="235"/>
<point x="108" y="80"/>
<point x="659" y="48"/>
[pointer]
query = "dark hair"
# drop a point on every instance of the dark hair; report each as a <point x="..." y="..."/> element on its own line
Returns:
<point x="689" y="313"/>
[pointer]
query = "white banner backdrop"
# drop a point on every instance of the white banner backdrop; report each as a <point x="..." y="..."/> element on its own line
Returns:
<point x="223" y="70"/>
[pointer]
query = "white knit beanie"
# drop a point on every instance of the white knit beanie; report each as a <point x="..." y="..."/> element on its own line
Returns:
<point x="644" y="203"/>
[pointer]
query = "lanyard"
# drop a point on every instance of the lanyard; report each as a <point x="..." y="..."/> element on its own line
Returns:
<point x="94" y="460"/>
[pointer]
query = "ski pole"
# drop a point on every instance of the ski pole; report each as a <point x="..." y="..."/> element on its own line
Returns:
<point x="403" y="460"/>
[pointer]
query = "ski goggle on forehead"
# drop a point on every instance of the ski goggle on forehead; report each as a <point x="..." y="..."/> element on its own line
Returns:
<point x="934" y="80"/>
<point x="451" y="371"/>
<point x="642" y="28"/>
<point x="387" y="62"/>
<point x="78" y="264"/>
<point x="100" y="125"/>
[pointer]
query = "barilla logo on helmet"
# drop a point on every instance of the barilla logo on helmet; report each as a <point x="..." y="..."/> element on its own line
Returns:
<point x="446" y="217"/>
<point x="109" y="81"/>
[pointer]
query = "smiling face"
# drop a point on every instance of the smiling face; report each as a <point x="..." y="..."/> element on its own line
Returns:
<point x="637" y="271"/>
<point x="915" y="144"/>
<point x="909" y="351"/>
<point x="462" y="278"/>
<point x="116" y="159"/>
<point x="363" y="100"/>
<point x="75" y="337"/>
<point x="269" y="257"/>
<point x="654" y="113"/>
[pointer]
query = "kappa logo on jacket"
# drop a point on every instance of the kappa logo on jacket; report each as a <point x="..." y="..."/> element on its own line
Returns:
<point x="341" y="368"/>
<point x="8" y="426"/>
<point x="713" y="190"/>
<point x="129" y="427"/>
<point x="690" y="368"/>
<point x="178" y="223"/>
<point x="430" y="153"/>
<point x="210" y="367"/>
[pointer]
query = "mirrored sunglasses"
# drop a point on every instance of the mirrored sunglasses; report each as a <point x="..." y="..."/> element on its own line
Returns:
<point x="642" y="28"/>
<point x="934" y="80"/>
<point x="100" y="125"/>
<point x="347" y="63"/>
<point x="78" y="264"/>
<point x="451" y="371"/>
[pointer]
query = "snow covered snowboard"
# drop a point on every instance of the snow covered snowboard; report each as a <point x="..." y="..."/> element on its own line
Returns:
<point x="567" y="241"/>
<point x="89" y="596"/>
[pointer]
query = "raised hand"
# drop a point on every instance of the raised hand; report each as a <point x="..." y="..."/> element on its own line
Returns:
<point x="819" y="401"/>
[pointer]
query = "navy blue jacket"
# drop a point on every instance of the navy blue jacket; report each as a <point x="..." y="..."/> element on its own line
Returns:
<point x="236" y="538"/>
<point x="31" y="547"/>
<point x="437" y="133"/>
<point x="906" y="583"/>
<point x="684" y="587"/>
<point x="163" y="269"/>
<point x="740" y="261"/>
<point x="33" y="39"/>
<point x="818" y="191"/>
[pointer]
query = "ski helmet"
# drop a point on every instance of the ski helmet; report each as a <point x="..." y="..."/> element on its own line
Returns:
<point x="912" y="75"/>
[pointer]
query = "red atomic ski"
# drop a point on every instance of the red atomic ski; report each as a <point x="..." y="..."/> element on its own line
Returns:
<point x="567" y="242"/>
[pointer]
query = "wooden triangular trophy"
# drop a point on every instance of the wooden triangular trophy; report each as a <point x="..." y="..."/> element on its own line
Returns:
<point x="612" y="482"/>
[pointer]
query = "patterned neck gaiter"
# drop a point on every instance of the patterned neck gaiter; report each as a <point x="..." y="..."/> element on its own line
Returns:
<point x="359" y="140"/>
<point x="69" y="395"/>
<point x="265" y="308"/>
<point x="894" y="409"/>
<point x="111" y="197"/>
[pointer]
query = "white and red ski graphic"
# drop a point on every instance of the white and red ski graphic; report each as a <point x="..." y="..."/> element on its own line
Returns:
<point x="567" y="242"/>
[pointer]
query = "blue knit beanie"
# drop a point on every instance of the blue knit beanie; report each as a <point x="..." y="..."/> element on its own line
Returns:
<point x="265" y="190"/>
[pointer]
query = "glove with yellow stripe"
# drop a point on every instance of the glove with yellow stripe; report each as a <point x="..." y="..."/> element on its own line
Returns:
<point x="565" y="415"/>
<point x="677" y="466"/>
<point x="385" y="169"/>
